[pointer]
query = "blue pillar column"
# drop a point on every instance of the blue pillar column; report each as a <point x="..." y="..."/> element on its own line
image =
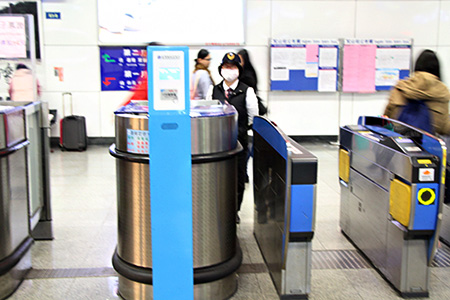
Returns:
<point x="170" y="173"/>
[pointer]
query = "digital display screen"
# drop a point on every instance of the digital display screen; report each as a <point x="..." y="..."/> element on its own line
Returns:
<point x="169" y="74"/>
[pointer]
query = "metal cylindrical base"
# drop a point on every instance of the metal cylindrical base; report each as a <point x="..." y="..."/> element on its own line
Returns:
<point x="220" y="289"/>
<point x="216" y="254"/>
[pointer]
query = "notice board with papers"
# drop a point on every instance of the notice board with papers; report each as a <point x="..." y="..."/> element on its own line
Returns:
<point x="371" y="65"/>
<point x="304" y="65"/>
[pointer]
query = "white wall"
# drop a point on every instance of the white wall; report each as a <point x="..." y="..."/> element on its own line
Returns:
<point x="71" y="43"/>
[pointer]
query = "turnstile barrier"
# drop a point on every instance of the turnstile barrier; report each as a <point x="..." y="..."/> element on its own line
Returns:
<point x="391" y="178"/>
<point x="216" y="251"/>
<point x="15" y="239"/>
<point x="285" y="178"/>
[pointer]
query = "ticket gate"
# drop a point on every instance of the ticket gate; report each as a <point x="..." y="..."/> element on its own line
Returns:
<point x="38" y="167"/>
<point x="15" y="239"/>
<point x="214" y="148"/>
<point x="391" y="177"/>
<point x="285" y="178"/>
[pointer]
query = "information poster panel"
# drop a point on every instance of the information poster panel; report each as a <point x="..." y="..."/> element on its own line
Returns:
<point x="371" y="65"/>
<point x="13" y="38"/>
<point x="304" y="65"/>
<point x="122" y="68"/>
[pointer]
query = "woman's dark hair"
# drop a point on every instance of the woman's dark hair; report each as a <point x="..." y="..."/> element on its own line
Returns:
<point x="428" y="62"/>
<point x="21" y="66"/>
<point x="248" y="76"/>
<point x="202" y="54"/>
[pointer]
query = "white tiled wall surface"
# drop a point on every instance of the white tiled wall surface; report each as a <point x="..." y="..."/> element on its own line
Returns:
<point x="77" y="25"/>
<point x="71" y="43"/>
<point x="80" y="65"/>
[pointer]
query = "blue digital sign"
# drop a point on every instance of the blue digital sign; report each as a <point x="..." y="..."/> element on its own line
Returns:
<point x="122" y="68"/>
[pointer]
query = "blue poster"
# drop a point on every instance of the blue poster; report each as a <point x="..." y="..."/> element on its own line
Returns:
<point x="121" y="68"/>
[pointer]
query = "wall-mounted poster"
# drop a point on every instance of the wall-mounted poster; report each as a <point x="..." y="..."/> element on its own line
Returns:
<point x="13" y="38"/>
<point x="304" y="64"/>
<point x="371" y="65"/>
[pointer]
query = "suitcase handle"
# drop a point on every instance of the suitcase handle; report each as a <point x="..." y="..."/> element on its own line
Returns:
<point x="64" y="103"/>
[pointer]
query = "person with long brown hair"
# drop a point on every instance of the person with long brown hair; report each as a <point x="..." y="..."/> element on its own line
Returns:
<point x="201" y="78"/>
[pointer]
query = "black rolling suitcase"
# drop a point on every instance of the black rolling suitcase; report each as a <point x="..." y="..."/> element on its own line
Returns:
<point x="72" y="130"/>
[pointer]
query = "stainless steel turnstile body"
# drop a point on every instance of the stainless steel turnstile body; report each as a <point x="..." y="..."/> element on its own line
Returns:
<point x="285" y="178"/>
<point x="391" y="198"/>
<point x="38" y="169"/>
<point x="15" y="240"/>
<point x="217" y="254"/>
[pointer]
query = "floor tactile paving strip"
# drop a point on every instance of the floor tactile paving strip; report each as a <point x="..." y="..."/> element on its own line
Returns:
<point x="322" y="259"/>
<point x="339" y="259"/>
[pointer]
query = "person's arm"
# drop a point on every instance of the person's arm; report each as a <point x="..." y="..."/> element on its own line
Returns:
<point x="209" y="93"/>
<point x="203" y="85"/>
<point x="252" y="105"/>
<point x="395" y="100"/>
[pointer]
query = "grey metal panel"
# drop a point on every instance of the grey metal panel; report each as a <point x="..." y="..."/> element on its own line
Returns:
<point x="13" y="202"/>
<point x="369" y="211"/>
<point x="344" y="213"/>
<point x="372" y="171"/>
<point x="133" y="209"/>
<point x="34" y="156"/>
<point x="388" y="158"/>
<point x="297" y="276"/>
<point x="406" y="266"/>
<point x="213" y="134"/>
<point x="213" y="204"/>
<point x="214" y="188"/>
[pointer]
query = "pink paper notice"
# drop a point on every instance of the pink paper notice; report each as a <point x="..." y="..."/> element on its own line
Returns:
<point x="359" y="68"/>
<point x="312" y="53"/>
<point x="367" y="70"/>
<point x="350" y="68"/>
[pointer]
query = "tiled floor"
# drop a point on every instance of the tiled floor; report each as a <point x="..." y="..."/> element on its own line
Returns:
<point x="84" y="222"/>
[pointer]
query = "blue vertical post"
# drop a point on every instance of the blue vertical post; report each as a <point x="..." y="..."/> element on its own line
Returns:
<point x="170" y="172"/>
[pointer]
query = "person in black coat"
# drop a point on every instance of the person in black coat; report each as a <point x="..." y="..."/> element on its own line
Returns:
<point x="233" y="91"/>
<point x="248" y="75"/>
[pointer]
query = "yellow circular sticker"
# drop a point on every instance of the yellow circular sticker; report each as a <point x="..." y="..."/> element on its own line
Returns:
<point x="429" y="196"/>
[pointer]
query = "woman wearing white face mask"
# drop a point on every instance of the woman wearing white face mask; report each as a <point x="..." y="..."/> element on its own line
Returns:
<point x="243" y="98"/>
